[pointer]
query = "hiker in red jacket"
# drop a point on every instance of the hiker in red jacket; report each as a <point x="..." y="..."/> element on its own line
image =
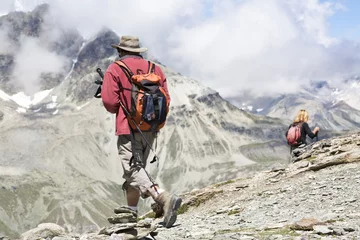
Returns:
<point x="132" y="147"/>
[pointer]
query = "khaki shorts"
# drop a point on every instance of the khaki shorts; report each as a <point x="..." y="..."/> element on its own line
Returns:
<point x="135" y="174"/>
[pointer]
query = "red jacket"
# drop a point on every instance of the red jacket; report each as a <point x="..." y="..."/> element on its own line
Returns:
<point x="111" y="93"/>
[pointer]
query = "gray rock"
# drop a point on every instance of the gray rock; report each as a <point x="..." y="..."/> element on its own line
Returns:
<point x="116" y="228"/>
<point x="338" y="231"/>
<point x="349" y="229"/>
<point x="64" y="238"/>
<point x="122" y="218"/>
<point x="124" y="209"/>
<point x="3" y="237"/>
<point x="322" y="230"/>
<point x="306" y="224"/>
<point x="44" y="230"/>
<point x="117" y="237"/>
<point x="94" y="237"/>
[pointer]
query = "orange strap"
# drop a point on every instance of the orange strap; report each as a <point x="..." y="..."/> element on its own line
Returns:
<point x="151" y="67"/>
<point x="126" y="69"/>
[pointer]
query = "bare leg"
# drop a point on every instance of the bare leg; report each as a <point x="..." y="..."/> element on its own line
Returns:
<point x="132" y="196"/>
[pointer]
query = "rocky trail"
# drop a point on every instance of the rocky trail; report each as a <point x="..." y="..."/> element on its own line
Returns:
<point x="315" y="197"/>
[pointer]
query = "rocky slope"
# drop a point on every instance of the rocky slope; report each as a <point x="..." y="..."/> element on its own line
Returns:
<point x="316" y="197"/>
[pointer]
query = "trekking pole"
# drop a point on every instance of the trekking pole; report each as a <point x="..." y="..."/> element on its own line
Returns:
<point x="99" y="82"/>
<point x="156" y="158"/>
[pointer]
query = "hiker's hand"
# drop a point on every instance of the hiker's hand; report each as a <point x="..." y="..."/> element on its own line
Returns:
<point x="316" y="129"/>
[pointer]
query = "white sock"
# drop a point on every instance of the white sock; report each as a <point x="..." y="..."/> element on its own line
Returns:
<point x="133" y="208"/>
<point x="159" y="190"/>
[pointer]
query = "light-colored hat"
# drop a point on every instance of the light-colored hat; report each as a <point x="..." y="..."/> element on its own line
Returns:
<point x="130" y="44"/>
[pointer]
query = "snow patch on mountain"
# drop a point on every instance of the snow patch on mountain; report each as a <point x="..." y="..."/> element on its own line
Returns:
<point x="182" y="89"/>
<point x="4" y="96"/>
<point x="73" y="65"/>
<point x="53" y="104"/>
<point x="11" y="171"/>
<point x="82" y="106"/>
<point x="23" y="100"/>
<point x="27" y="101"/>
<point x="21" y="110"/>
<point x="350" y="95"/>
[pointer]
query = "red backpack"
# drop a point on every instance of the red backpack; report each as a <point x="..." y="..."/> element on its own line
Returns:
<point x="149" y="101"/>
<point x="294" y="134"/>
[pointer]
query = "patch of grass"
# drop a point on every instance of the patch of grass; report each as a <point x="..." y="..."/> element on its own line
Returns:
<point x="199" y="201"/>
<point x="285" y="231"/>
<point x="202" y="198"/>
<point x="335" y="220"/>
<point x="330" y="221"/>
<point x="311" y="159"/>
<point x="224" y="183"/>
<point x="232" y="212"/>
<point x="234" y="230"/>
<point x="148" y="215"/>
<point x="242" y="179"/>
<point x="183" y="209"/>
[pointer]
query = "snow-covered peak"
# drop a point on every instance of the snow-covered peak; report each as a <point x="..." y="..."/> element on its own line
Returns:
<point x="350" y="95"/>
<point x="26" y="5"/>
<point x="182" y="89"/>
<point x="4" y="96"/>
<point x="23" y="100"/>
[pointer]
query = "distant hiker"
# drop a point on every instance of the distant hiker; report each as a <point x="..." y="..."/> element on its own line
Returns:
<point x="298" y="130"/>
<point x="123" y="88"/>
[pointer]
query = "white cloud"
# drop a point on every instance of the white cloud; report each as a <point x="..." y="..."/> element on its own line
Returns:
<point x="31" y="61"/>
<point x="19" y="5"/>
<point x="264" y="46"/>
<point x="229" y="45"/>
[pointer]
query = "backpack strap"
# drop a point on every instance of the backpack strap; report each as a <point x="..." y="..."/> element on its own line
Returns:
<point x="151" y="67"/>
<point x="125" y="68"/>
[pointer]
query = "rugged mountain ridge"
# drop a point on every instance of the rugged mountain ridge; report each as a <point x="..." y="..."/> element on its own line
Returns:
<point x="332" y="109"/>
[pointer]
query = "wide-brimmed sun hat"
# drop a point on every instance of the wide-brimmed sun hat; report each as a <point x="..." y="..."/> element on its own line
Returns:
<point x="130" y="44"/>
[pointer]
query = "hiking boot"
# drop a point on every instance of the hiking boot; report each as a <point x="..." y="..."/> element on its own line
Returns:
<point x="157" y="209"/>
<point x="170" y="204"/>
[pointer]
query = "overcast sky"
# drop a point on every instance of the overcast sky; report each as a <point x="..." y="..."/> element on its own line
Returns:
<point x="229" y="45"/>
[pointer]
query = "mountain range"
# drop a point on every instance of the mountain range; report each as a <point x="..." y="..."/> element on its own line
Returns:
<point x="332" y="109"/>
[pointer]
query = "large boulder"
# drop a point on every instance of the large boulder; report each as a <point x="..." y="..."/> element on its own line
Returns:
<point x="43" y="231"/>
